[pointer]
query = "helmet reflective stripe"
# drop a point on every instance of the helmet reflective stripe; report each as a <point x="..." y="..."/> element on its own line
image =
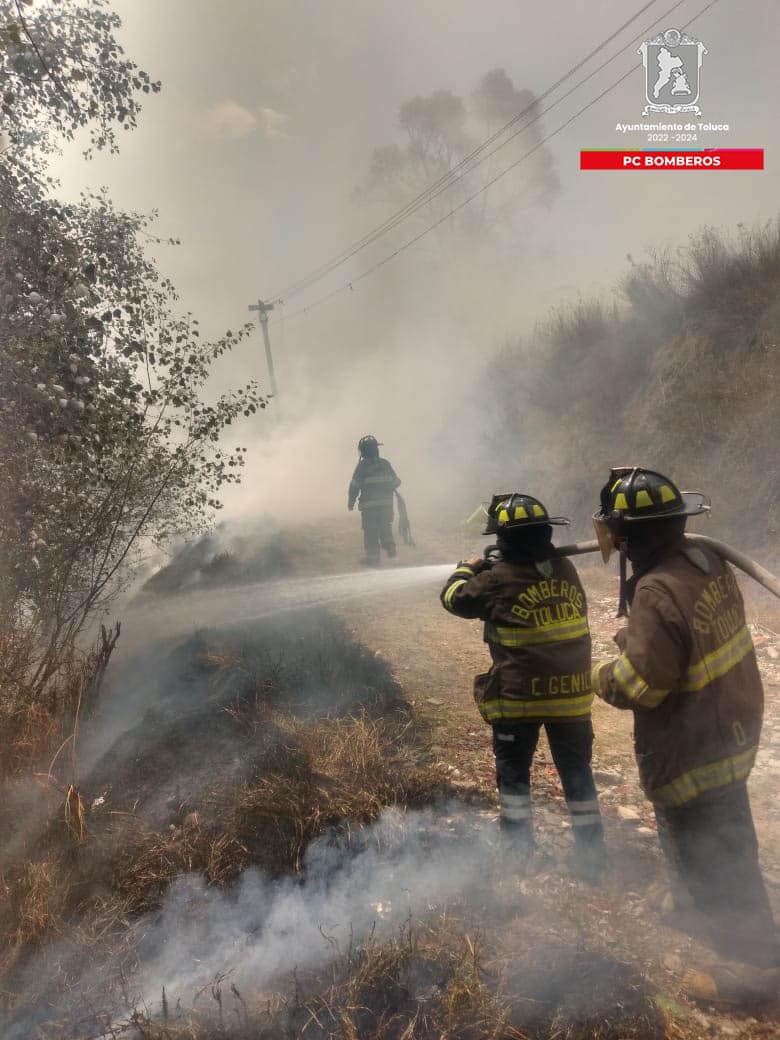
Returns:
<point x="517" y="510"/>
<point x="642" y="494"/>
<point x="632" y="495"/>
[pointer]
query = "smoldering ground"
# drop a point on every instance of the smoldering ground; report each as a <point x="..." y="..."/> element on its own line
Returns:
<point x="404" y="875"/>
<point x="228" y="834"/>
<point x="229" y="748"/>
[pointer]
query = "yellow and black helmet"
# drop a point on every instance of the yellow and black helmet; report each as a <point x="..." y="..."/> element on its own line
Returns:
<point x="633" y="494"/>
<point x="513" y="509"/>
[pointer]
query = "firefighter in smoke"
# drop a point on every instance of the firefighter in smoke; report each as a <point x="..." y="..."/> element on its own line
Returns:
<point x="372" y="487"/>
<point x="536" y="628"/>
<point x="688" y="671"/>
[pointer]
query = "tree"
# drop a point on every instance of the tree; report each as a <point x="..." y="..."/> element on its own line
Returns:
<point x="105" y="437"/>
<point x="441" y="131"/>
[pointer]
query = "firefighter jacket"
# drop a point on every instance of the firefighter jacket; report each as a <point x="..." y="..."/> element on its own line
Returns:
<point x="688" y="671"/>
<point x="374" y="482"/>
<point x="536" y="627"/>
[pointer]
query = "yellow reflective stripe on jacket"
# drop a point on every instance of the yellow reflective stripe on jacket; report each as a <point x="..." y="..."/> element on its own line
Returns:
<point x="705" y="778"/>
<point x="464" y="569"/>
<point x="556" y="632"/>
<point x="632" y="685"/>
<point x="498" y="708"/>
<point x="720" y="661"/>
<point x="595" y="674"/>
<point x="451" y="592"/>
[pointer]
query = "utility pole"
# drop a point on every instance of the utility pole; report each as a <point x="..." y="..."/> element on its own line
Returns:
<point x="263" y="309"/>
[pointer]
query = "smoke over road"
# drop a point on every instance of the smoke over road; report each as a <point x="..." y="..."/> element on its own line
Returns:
<point x="151" y="620"/>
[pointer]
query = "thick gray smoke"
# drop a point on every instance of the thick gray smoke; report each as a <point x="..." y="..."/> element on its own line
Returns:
<point x="226" y="157"/>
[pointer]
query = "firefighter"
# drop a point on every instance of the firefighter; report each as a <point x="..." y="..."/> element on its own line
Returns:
<point x="536" y="628"/>
<point x="372" y="487"/>
<point x="688" y="671"/>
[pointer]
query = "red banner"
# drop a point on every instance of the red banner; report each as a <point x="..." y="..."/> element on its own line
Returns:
<point x="707" y="159"/>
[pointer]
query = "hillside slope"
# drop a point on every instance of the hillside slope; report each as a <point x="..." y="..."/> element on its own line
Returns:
<point x="680" y="376"/>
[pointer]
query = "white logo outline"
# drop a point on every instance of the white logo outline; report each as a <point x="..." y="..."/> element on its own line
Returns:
<point x="672" y="69"/>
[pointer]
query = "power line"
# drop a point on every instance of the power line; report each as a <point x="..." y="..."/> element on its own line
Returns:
<point x="457" y="172"/>
<point x="456" y="209"/>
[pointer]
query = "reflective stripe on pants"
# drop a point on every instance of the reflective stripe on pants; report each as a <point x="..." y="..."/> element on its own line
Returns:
<point x="571" y="745"/>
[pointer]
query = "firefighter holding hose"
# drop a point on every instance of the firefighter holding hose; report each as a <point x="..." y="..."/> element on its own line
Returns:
<point x="536" y="627"/>
<point x="372" y="487"/>
<point x="687" y="669"/>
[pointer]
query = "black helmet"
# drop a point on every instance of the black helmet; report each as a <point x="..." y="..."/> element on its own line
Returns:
<point x="513" y="510"/>
<point x="368" y="446"/>
<point x="633" y="495"/>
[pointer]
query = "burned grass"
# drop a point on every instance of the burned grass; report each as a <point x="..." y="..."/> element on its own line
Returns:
<point x="424" y="982"/>
<point x="285" y="758"/>
<point x="428" y="981"/>
<point x="255" y="741"/>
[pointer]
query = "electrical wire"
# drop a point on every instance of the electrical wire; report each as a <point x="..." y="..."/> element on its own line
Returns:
<point x="456" y="209"/>
<point x="457" y="172"/>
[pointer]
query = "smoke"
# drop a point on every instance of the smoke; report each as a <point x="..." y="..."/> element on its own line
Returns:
<point x="400" y="870"/>
<point x="303" y="97"/>
<point x="405" y="866"/>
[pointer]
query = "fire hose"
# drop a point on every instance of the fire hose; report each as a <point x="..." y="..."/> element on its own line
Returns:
<point x="740" y="560"/>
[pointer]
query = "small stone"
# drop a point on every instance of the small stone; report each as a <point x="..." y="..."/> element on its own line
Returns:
<point x="627" y="812"/>
<point x="673" y="963"/>
<point x="700" y="986"/>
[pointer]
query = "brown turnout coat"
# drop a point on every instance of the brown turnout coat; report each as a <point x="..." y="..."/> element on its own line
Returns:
<point x="536" y="627"/>
<point x="689" y="673"/>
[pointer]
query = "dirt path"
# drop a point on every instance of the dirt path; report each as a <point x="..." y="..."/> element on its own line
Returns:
<point x="435" y="657"/>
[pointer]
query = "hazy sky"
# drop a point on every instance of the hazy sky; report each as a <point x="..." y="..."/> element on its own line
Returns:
<point x="268" y="117"/>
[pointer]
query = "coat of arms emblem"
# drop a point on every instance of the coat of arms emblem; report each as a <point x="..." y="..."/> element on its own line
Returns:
<point x="672" y="62"/>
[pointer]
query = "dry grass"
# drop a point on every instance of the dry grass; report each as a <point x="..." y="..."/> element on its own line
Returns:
<point x="681" y="378"/>
<point x="43" y="697"/>
<point x="339" y="773"/>
<point x="38" y="893"/>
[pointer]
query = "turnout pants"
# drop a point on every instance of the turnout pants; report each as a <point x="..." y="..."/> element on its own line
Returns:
<point x="711" y="848"/>
<point x="378" y="530"/>
<point x="571" y="744"/>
